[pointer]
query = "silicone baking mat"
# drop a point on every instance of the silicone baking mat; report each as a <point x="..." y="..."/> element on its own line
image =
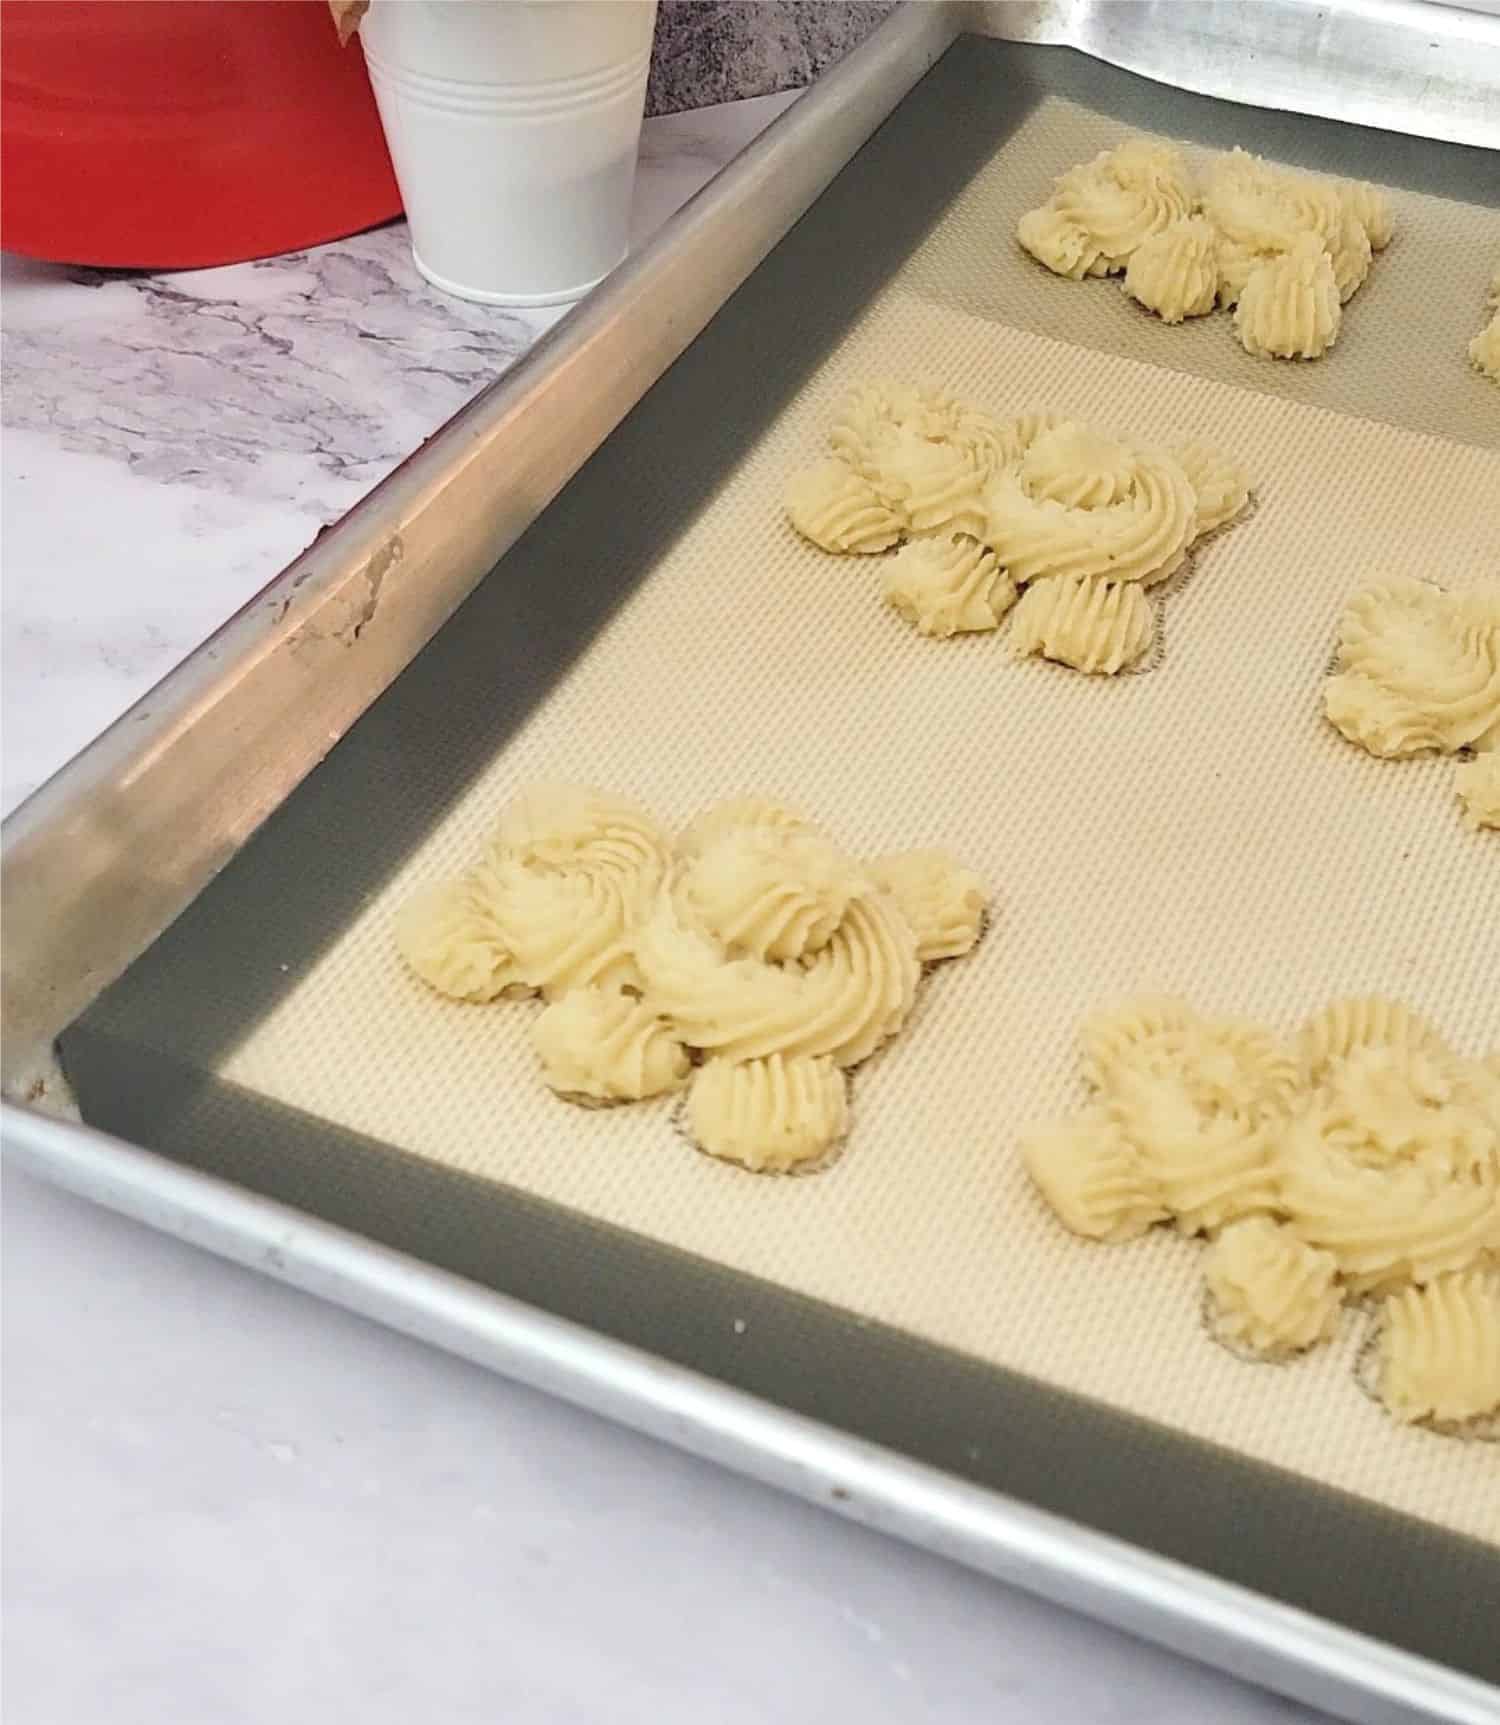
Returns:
<point x="1196" y="828"/>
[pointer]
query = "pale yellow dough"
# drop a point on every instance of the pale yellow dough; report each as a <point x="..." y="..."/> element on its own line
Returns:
<point x="1362" y="1159"/>
<point x="1290" y="307"/>
<point x="1439" y="1350"/>
<point x="1477" y="783"/>
<point x="771" y="1115"/>
<point x="451" y="939"/>
<point x="1079" y="503"/>
<point x="753" y="939"/>
<point x="1083" y="621"/>
<point x="942" y="902"/>
<point x="1220" y="486"/>
<point x="1101" y="211"/>
<point x="1270" y="1293"/>
<point x="1093" y="1177"/>
<point x="1176" y="273"/>
<point x="1287" y="249"/>
<point x="1418" y="669"/>
<point x="839" y="510"/>
<point x="604" y="1045"/>
<point x="948" y="587"/>
<point x="1069" y="519"/>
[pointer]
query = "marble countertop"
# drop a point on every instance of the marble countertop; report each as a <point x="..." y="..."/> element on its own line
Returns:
<point x="225" y="1501"/>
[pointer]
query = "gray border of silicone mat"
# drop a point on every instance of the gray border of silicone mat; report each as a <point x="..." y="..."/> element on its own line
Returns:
<point x="175" y="998"/>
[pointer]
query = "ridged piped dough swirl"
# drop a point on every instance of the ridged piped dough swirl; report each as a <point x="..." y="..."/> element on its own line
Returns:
<point x="450" y="938"/>
<point x="605" y="1045"/>
<point x="839" y="510"/>
<point x="1102" y="210"/>
<point x="1197" y="1101"/>
<point x="569" y="873"/>
<point x="1418" y="669"/>
<point x="1082" y="504"/>
<point x="1270" y="1293"/>
<point x="1093" y="1177"/>
<point x="1176" y="273"/>
<point x="1091" y="624"/>
<point x="942" y="902"/>
<point x="1439" y="1350"/>
<point x="1220" y="486"/>
<point x="948" y="586"/>
<point x="770" y="1115"/>
<point x="1290" y="306"/>
<point x="774" y="896"/>
<point x="1390" y="1205"/>
<point x="844" y="1001"/>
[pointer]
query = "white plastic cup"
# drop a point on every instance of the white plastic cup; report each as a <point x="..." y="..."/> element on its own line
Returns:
<point x="513" y="127"/>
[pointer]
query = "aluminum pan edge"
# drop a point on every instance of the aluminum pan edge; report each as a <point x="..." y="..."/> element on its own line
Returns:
<point x="102" y="857"/>
<point x="1162" y="1601"/>
<point x="1398" y="65"/>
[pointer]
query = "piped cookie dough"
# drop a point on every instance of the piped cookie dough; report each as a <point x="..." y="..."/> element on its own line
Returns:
<point x="1418" y="672"/>
<point x="752" y="944"/>
<point x="1359" y="1161"/>
<point x="1286" y="249"/>
<point x="1072" y="522"/>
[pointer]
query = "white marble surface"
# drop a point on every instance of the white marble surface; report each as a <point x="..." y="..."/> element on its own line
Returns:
<point x="225" y="1502"/>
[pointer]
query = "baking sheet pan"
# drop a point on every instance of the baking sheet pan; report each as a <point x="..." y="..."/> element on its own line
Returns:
<point x="190" y="1052"/>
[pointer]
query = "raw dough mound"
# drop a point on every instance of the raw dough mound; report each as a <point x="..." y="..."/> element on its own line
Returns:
<point x="934" y="487"/>
<point x="1477" y="783"/>
<point x="1134" y="1032"/>
<point x="1092" y="1177"/>
<point x="1263" y="212"/>
<point x="1101" y="211"/>
<point x="1221" y="486"/>
<point x="604" y="1045"/>
<point x="450" y="938"/>
<point x="1060" y="243"/>
<point x="839" y="510"/>
<point x="1134" y="521"/>
<point x="988" y="506"/>
<point x="1439" y="1350"/>
<point x="1359" y="1021"/>
<point x="565" y="930"/>
<point x="1366" y="1160"/>
<point x="753" y="939"/>
<point x="1290" y="307"/>
<point x="844" y="1001"/>
<point x="1176" y="273"/>
<point x="739" y="814"/>
<point x="1083" y="621"/>
<point x="1288" y="249"/>
<point x="1209" y="1166"/>
<point x="771" y="894"/>
<point x="1385" y="1197"/>
<point x="869" y="415"/>
<point x="943" y="903"/>
<point x="769" y="1115"/>
<point x="575" y="829"/>
<point x="1199" y="1100"/>
<point x="1270" y="1293"/>
<point x="948" y="586"/>
<point x="1418" y="669"/>
<point x="1371" y="209"/>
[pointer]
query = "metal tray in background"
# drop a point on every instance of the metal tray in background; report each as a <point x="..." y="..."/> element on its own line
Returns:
<point x="107" y="855"/>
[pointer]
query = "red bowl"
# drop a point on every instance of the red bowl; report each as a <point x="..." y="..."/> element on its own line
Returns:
<point x="177" y="133"/>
